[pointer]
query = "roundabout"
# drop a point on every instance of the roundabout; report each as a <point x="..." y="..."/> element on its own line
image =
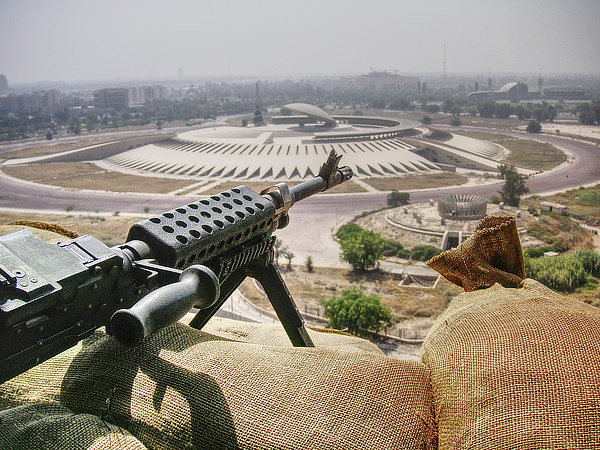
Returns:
<point x="320" y="214"/>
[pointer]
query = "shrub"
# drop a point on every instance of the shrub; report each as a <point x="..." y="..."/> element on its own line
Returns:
<point x="403" y="253"/>
<point x="424" y="252"/>
<point x="495" y="200"/>
<point x="426" y="120"/>
<point x="534" y="127"/>
<point x="309" y="264"/>
<point x="537" y="252"/>
<point x="563" y="273"/>
<point x="392" y="248"/>
<point x="423" y="312"/>
<point x="456" y="122"/>
<point x="590" y="260"/>
<point x="396" y="198"/>
<point x="559" y="231"/>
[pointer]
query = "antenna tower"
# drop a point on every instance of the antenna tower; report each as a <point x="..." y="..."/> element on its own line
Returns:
<point x="444" y="65"/>
<point x="258" y="117"/>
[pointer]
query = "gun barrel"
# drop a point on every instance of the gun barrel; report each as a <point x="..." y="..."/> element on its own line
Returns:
<point x="318" y="184"/>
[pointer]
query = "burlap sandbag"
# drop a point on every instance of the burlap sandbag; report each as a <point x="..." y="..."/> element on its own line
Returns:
<point x="492" y="254"/>
<point x="274" y="335"/>
<point x="52" y="426"/>
<point x="516" y="368"/>
<point x="185" y="388"/>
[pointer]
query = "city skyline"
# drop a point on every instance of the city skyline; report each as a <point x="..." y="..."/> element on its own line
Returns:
<point x="67" y="40"/>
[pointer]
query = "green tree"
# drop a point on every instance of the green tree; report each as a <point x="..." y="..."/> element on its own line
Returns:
<point x="456" y="122"/>
<point x="534" y="127"/>
<point x="74" y="126"/>
<point x="289" y="256"/>
<point x="362" y="250"/>
<point x="503" y="110"/>
<point x="487" y="109"/>
<point x="432" y="109"/>
<point x="49" y="135"/>
<point x="587" y="114"/>
<point x="456" y="110"/>
<point x="426" y="120"/>
<point x="279" y="250"/>
<point x="347" y="230"/>
<point x="514" y="185"/>
<point x="357" y="312"/>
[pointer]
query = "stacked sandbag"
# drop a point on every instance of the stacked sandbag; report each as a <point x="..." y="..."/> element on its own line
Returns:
<point x="52" y="426"/>
<point x="516" y="368"/>
<point x="273" y="334"/>
<point x="184" y="388"/>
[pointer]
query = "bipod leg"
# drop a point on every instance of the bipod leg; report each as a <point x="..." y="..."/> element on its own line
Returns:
<point x="283" y="304"/>
<point x="228" y="286"/>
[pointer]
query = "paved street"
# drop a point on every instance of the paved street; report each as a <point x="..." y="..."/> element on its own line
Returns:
<point x="312" y="220"/>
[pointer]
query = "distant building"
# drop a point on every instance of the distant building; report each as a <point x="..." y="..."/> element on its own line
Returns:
<point x="554" y="207"/>
<point x="510" y="91"/>
<point x="33" y="101"/>
<point x="117" y="98"/>
<point x="3" y="85"/>
<point x="381" y="81"/>
<point x="142" y="94"/>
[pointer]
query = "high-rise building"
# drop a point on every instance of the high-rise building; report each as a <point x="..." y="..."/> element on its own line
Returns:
<point x="3" y="85"/>
<point x="31" y="101"/>
<point x="141" y="94"/>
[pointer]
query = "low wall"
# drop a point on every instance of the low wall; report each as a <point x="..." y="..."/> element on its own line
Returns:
<point x="103" y="151"/>
<point x="93" y="152"/>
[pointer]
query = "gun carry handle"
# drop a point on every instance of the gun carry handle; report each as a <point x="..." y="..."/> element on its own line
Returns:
<point x="166" y="305"/>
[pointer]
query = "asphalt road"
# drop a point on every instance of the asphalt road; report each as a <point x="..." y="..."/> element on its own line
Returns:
<point x="313" y="219"/>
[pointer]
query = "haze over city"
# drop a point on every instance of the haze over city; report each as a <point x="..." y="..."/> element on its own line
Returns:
<point x="68" y="40"/>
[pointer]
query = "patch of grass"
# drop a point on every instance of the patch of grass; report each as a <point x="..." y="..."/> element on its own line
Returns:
<point x="523" y="152"/>
<point x="420" y="181"/>
<point x="84" y="175"/>
<point x="560" y="232"/>
<point x="406" y="304"/>
<point x="583" y="202"/>
<point x="50" y="149"/>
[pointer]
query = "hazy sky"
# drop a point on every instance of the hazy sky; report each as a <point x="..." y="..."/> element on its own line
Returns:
<point x="114" y="39"/>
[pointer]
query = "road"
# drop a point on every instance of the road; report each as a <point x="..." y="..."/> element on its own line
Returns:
<point x="313" y="219"/>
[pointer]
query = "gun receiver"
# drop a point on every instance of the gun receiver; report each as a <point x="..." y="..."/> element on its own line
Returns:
<point x="52" y="296"/>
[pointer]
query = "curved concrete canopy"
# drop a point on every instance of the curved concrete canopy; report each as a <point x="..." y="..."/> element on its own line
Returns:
<point x="371" y="146"/>
<point x="311" y="111"/>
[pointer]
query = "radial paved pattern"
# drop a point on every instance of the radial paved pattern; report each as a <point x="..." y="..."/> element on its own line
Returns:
<point x="371" y="146"/>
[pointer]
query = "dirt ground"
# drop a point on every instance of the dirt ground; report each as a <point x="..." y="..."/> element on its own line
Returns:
<point x="413" y="308"/>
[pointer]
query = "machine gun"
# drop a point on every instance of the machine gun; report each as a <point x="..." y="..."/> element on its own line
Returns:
<point x="54" y="295"/>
